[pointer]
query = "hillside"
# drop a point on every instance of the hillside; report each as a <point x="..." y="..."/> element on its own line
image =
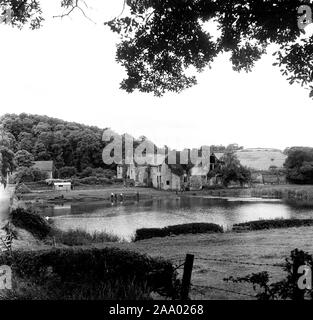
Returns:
<point x="261" y="159"/>
<point x="66" y="143"/>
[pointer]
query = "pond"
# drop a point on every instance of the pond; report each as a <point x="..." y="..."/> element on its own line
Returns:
<point x="123" y="220"/>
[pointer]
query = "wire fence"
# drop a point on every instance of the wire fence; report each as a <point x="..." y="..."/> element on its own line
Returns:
<point x="242" y="262"/>
<point x="179" y="263"/>
<point x="221" y="289"/>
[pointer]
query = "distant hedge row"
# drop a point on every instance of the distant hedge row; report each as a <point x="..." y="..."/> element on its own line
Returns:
<point x="93" y="180"/>
<point x="67" y="269"/>
<point x="274" y="224"/>
<point x="193" y="228"/>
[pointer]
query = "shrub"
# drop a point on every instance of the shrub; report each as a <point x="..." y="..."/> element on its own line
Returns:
<point x="111" y="289"/>
<point x="87" y="172"/>
<point x="110" y="174"/>
<point x="286" y="289"/>
<point x="214" y="187"/>
<point x="193" y="228"/>
<point x="274" y="224"/>
<point x="66" y="271"/>
<point x="95" y="181"/>
<point x="32" y="222"/>
<point x="24" y="174"/>
<point x="67" y="172"/>
<point x="80" y="237"/>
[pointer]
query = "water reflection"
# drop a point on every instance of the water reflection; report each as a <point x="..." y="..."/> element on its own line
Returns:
<point x="124" y="220"/>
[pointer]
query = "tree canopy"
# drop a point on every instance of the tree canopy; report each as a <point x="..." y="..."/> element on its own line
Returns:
<point x="41" y="138"/>
<point x="231" y="170"/>
<point x="162" y="39"/>
<point x="299" y="165"/>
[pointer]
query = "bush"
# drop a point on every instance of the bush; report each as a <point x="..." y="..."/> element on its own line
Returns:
<point x="274" y="224"/>
<point x="67" y="272"/>
<point x="32" y="222"/>
<point x="111" y="289"/>
<point x="67" y="172"/>
<point x="287" y="288"/>
<point x="87" y="172"/>
<point x="95" y="181"/>
<point x="80" y="237"/>
<point x="24" y="174"/>
<point x="104" y="173"/>
<point x="214" y="187"/>
<point x="193" y="228"/>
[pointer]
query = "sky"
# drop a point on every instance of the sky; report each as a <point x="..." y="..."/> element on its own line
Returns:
<point x="67" y="70"/>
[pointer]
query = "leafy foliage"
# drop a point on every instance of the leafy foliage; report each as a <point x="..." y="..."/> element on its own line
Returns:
<point x="161" y="40"/>
<point x="66" y="270"/>
<point x="230" y="170"/>
<point x="22" y="12"/>
<point x="31" y="222"/>
<point x="285" y="289"/>
<point x="23" y="158"/>
<point x="299" y="165"/>
<point x="6" y="163"/>
<point x="67" y="172"/>
<point x="26" y="174"/>
<point x="67" y="144"/>
<point x="80" y="237"/>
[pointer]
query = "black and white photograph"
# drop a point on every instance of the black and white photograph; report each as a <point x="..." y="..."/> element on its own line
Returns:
<point x="156" y="151"/>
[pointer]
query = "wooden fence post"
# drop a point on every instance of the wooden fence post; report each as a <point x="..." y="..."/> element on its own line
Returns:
<point x="187" y="277"/>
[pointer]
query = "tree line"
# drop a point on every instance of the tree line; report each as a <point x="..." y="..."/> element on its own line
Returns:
<point x="72" y="147"/>
<point x="76" y="149"/>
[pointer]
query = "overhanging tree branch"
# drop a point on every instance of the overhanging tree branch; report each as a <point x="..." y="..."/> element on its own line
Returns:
<point x="71" y="6"/>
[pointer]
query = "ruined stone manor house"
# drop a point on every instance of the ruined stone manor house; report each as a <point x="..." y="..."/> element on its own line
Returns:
<point x="159" y="175"/>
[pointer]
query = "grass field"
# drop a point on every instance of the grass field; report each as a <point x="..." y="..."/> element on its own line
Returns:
<point x="258" y="247"/>
<point x="261" y="159"/>
<point x="217" y="256"/>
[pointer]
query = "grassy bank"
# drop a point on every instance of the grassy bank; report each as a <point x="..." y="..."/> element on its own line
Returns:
<point x="94" y="194"/>
<point x="80" y="237"/>
<point x="297" y="194"/>
<point x="190" y="228"/>
<point x="291" y="193"/>
<point x="217" y="256"/>
<point x="42" y="230"/>
<point x="88" y="274"/>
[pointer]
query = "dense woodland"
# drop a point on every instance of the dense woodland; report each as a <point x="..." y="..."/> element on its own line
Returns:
<point x="72" y="147"/>
<point x="68" y="144"/>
